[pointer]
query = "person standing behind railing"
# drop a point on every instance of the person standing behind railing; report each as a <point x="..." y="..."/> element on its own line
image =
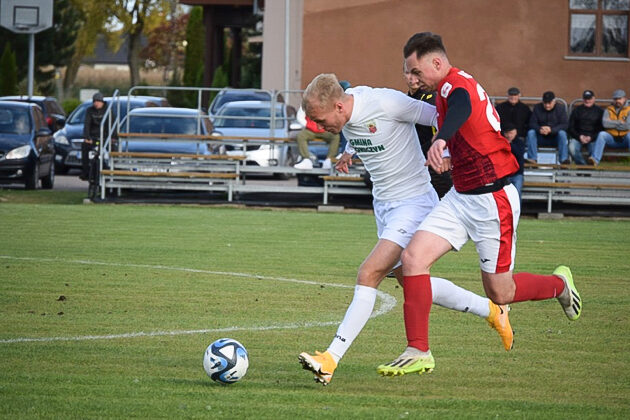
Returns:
<point x="92" y="132"/>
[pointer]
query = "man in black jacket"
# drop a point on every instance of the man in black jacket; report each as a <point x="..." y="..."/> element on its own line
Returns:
<point x="548" y="128"/>
<point x="585" y="123"/>
<point x="515" y="112"/>
<point x="92" y="131"/>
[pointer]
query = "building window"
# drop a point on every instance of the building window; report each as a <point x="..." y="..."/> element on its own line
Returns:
<point x="599" y="28"/>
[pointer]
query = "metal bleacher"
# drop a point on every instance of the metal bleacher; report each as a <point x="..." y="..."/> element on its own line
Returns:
<point x="228" y="174"/>
<point x="220" y="172"/>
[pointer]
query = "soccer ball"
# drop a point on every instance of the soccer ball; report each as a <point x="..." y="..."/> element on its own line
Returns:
<point x="225" y="361"/>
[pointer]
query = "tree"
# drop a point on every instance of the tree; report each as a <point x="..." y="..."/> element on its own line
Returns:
<point x="195" y="47"/>
<point x="251" y="61"/>
<point x="134" y="15"/>
<point x="165" y="46"/>
<point x="8" y="72"/>
<point x="92" y="17"/>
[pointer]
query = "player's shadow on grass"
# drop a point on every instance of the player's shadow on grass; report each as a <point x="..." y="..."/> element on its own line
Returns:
<point x="250" y="384"/>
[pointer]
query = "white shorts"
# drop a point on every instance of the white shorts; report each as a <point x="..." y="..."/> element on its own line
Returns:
<point x="490" y="220"/>
<point x="397" y="221"/>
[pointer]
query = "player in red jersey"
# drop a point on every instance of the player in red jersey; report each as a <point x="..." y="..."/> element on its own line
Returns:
<point x="482" y="205"/>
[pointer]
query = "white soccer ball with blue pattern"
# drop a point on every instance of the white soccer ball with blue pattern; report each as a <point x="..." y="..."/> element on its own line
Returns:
<point x="226" y="361"/>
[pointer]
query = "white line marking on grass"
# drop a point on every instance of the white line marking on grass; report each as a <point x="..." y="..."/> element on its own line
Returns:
<point x="388" y="302"/>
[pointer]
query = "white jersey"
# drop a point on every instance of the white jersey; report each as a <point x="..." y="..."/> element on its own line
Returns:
<point x="381" y="131"/>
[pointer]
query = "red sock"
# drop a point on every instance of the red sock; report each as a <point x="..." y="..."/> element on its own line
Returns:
<point x="536" y="287"/>
<point x="418" y="300"/>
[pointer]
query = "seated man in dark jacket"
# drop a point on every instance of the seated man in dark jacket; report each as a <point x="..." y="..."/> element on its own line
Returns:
<point x="515" y="112"/>
<point x="585" y="123"/>
<point x="548" y="128"/>
<point x="517" y="145"/>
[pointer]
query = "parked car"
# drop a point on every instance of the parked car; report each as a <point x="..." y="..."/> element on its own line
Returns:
<point x="179" y="121"/>
<point x="235" y="95"/>
<point x="26" y="146"/>
<point x="247" y="119"/>
<point x="68" y="140"/>
<point x="53" y="112"/>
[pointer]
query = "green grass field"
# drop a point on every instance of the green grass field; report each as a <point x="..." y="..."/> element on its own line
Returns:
<point x="146" y="288"/>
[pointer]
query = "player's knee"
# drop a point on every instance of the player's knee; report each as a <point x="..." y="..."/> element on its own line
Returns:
<point x="500" y="296"/>
<point x="413" y="262"/>
<point x="367" y="276"/>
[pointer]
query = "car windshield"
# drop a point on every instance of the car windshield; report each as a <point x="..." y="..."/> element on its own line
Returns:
<point x="159" y="124"/>
<point x="14" y="121"/>
<point x="246" y="120"/>
<point x="235" y="96"/>
<point x="78" y="115"/>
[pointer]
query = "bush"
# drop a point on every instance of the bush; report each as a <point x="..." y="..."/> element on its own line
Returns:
<point x="70" y="104"/>
<point x="8" y="72"/>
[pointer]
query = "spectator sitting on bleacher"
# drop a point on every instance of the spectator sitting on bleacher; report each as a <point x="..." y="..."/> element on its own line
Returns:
<point x="616" y="125"/>
<point x="311" y="132"/>
<point x="585" y="124"/>
<point x="515" y="112"/>
<point x="548" y="125"/>
<point x="517" y="144"/>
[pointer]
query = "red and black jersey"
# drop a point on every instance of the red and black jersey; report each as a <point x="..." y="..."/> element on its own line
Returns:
<point x="480" y="155"/>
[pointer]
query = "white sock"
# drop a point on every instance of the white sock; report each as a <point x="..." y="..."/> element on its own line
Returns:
<point x="353" y="322"/>
<point x="414" y="352"/>
<point x="451" y="296"/>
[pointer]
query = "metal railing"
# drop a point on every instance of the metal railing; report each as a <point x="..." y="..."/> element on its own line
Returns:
<point x="531" y="100"/>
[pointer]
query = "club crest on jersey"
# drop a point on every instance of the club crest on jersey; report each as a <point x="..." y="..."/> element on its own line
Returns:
<point x="446" y="89"/>
<point x="371" y="125"/>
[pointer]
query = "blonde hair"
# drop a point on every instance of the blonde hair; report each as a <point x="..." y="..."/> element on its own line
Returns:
<point x="322" y="92"/>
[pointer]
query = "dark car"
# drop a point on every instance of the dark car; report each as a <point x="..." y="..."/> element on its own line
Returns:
<point x="68" y="140"/>
<point x="26" y="146"/>
<point x="235" y="95"/>
<point x="53" y="112"/>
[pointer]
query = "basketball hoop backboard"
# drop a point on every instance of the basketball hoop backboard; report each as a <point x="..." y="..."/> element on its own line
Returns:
<point x="26" y="16"/>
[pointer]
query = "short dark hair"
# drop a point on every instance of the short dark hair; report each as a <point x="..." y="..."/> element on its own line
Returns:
<point x="423" y="43"/>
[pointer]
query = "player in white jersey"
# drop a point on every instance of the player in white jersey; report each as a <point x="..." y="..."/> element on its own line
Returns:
<point x="379" y="127"/>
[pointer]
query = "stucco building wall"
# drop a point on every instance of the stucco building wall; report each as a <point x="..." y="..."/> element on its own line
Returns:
<point x="501" y="43"/>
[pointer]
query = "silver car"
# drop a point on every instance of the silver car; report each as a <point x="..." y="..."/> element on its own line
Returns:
<point x="251" y="119"/>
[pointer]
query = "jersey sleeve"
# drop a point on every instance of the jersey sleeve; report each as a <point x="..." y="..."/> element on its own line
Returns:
<point x="401" y="107"/>
<point x="349" y="149"/>
<point x="459" y="110"/>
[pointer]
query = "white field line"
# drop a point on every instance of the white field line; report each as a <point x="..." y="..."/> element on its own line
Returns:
<point x="388" y="302"/>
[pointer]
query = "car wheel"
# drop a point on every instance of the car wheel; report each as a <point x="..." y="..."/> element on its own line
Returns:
<point x="48" y="182"/>
<point x="61" y="169"/>
<point x="32" y="179"/>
